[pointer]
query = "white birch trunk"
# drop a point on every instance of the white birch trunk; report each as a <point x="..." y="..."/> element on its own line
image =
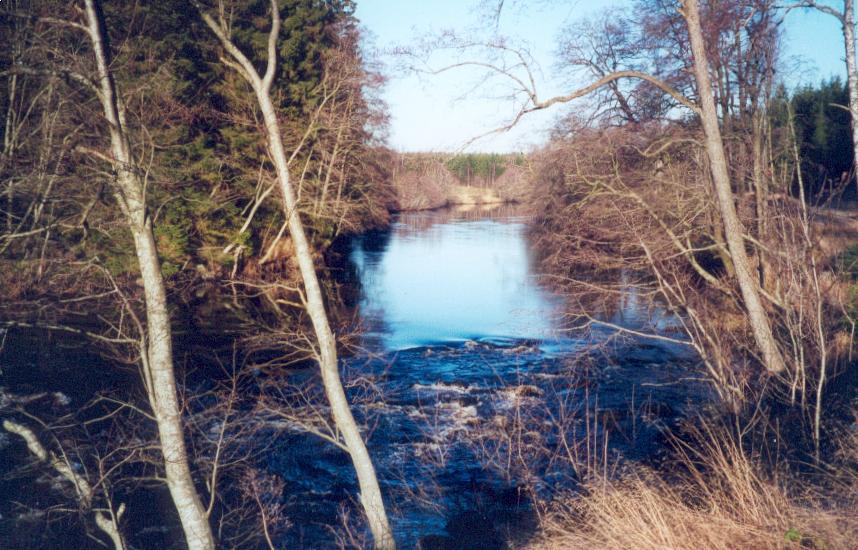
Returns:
<point x="370" y="492"/>
<point x="157" y="351"/>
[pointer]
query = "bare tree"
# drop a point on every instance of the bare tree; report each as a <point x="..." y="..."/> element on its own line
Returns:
<point x="156" y="339"/>
<point x="603" y="45"/>
<point x="733" y="230"/>
<point x="127" y="181"/>
<point x="326" y="351"/>
<point x="522" y="78"/>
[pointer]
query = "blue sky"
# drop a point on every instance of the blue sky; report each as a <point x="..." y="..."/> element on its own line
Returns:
<point x="444" y="112"/>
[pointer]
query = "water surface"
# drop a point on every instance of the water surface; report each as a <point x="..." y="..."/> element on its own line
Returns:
<point x="445" y="276"/>
<point x="459" y="334"/>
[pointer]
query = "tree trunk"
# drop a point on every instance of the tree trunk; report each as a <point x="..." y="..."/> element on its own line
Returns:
<point x="761" y="192"/>
<point x="851" y="74"/>
<point x="157" y="351"/>
<point x="733" y="230"/>
<point x="83" y="488"/>
<point x="370" y="492"/>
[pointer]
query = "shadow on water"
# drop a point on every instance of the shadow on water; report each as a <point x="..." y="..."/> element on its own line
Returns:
<point x="68" y="372"/>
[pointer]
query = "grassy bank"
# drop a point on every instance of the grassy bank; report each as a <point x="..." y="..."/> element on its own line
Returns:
<point x="722" y="498"/>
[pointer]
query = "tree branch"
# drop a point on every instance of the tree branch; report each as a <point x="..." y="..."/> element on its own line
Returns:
<point x="271" y="68"/>
<point x="77" y="77"/>
<point x="611" y="78"/>
<point x="82" y="486"/>
<point x="247" y="69"/>
<point x="812" y="4"/>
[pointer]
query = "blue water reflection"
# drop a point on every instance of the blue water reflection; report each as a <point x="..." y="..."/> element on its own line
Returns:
<point x="447" y="276"/>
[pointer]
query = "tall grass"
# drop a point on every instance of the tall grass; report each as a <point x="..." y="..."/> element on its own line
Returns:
<point x="722" y="499"/>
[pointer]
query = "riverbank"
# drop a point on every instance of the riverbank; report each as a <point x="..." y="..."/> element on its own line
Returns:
<point x="772" y="462"/>
<point x="491" y="423"/>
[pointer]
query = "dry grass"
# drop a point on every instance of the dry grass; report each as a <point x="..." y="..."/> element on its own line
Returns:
<point x="722" y="502"/>
<point x="464" y="195"/>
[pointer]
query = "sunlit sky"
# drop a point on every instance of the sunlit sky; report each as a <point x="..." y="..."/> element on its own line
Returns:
<point x="444" y="112"/>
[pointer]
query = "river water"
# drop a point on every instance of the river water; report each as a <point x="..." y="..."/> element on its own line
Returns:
<point x="469" y="351"/>
<point x="444" y="277"/>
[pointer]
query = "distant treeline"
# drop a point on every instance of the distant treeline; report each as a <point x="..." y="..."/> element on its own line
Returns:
<point x="486" y="166"/>
<point x="425" y="180"/>
<point x="470" y="168"/>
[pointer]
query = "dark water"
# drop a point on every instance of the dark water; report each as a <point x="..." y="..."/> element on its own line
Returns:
<point x="460" y="335"/>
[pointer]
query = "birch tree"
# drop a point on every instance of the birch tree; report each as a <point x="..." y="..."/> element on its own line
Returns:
<point x="326" y="346"/>
<point x="734" y="232"/>
<point x="156" y="341"/>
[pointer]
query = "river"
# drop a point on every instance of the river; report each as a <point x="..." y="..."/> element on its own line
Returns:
<point x="460" y="336"/>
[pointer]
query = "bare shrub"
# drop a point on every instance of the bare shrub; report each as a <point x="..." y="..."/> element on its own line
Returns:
<point x="630" y="212"/>
<point x="422" y="182"/>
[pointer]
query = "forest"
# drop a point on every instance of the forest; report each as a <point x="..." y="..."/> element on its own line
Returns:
<point x="234" y="315"/>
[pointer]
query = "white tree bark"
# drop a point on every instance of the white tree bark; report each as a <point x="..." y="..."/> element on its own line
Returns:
<point x="370" y="492"/>
<point x="733" y="230"/>
<point x="109" y="524"/>
<point x="156" y="346"/>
